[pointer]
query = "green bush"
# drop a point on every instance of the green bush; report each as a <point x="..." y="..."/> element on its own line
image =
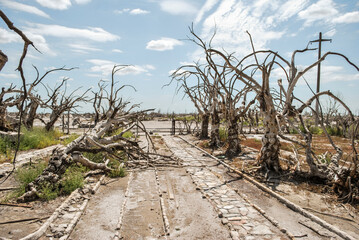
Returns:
<point x="128" y="134"/>
<point x="223" y="134"/>
<point x="118" y="172"/>
<point x="31" y="139"/>
<point x="48" y="191"/>
<point x="72" y="179"/>
<point x="6" y="147"/>
<point x="316" y="130"/>
<point x="293" y="131"/>
<point x="95" y="157"/>
<point x="26" y="175"/>
<point x="334" y="131"/>
<point x="38" y="138"/>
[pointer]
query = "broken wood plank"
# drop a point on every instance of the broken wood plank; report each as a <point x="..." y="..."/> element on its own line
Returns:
<point x="19" y="220"/>
<point x="328" y="214"/>
<point x="7" y="188"/>
<point x="16" y="205"/>
<point x="170" y="190"/>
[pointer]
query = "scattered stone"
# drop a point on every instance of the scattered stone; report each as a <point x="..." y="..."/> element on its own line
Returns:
<point x="72" y="209"/>
<point x="224" y="221"/>
<point x="261" y="230"/>
<point x="234" y="235"/>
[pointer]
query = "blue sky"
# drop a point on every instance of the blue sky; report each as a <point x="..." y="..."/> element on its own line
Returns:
<point x="150" y="35"/>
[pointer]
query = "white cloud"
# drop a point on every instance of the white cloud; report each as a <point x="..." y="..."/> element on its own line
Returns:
<point x="8" y="75"/>
<point x="350" y="17"/>
<point x="38" y="40"/>
<point x="138" y="11"/>
<point x="290" y="8"/>
<point x="55" y="4"/>
<point x="178" y="7"/>
<point x="40" y="43"/>
<point x="163" y="44"/>
<point x="91" y="33"/>
<point x="122" y="11"/>
<point x="24" y="8"/>
<point x="232" y="19"/>
<point x="206" y="7"/>
<point x="117" y="50"/>
<point x="82" y="48"/>
<point x="105" y="68"/>
<point x="323" y="10"/>
<point x="8" y="37"/>
<point x="82" y="1"/>
<point x="150" y="67"/>
<point x="330" y="33"/>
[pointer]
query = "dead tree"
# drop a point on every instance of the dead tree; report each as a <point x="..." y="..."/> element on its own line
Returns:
<point x="34" y="100"/>
<point x="8" y="98"/>
<point x="210" y="74"/>
<point x="335" y="172"/>
<point x="94" y="141"/>
<point x="59" y="101"/>
<point x="269" y="154"/>
<point x="27" y="43"/>
<point x="198" y="93"/>
<point x="118" y="116"/>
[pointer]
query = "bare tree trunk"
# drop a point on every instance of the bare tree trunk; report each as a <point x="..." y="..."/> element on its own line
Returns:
<point x="53" y="118"/>
<point x="215" y="140"/>
<point x="269" y="154"/>
<point x="3" y="122"/>
<point x="204" y="129"/>
<point x="30" y="118"/>
<point x="234" y="146"/>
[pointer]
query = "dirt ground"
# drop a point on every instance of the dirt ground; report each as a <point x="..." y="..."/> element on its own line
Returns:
<point x="316" y="198"/>
<point x="29" y="218"/>
<point x="186" y="208"/>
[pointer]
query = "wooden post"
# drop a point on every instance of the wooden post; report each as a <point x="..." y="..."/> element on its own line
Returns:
<point x="63" y="123"/>
<point x="173" y="130"/>
<point x="320" y="40"/>
<point x="68" y="122"/>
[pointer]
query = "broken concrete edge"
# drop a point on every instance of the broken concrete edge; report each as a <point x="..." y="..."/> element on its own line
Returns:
<point x="281" y="199"/>
<point x="41" y="231"/>
<point x="163" y="208"/>
<point x="264" y="214"/>
<point x="74" y="221"/>
<point x="119" y="223"/>
<point x="256" y="207"/>
<point x="261" y="211"/>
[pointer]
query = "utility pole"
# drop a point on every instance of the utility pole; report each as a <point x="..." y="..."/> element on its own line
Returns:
<point x="320" y="40"/>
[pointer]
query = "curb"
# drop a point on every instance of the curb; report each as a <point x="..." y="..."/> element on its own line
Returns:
<point x="75" y="194"/>
<point x="283" y="200"/>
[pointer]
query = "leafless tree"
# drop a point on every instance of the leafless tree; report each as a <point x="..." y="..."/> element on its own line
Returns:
<point x="198" y="93"/>
<point x="8" y="98"/>
<point x="117" y="118"/>
<point x="272" y="117"/>
<point x="58" y="101"/>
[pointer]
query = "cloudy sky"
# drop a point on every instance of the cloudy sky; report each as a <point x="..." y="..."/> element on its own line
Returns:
<point x="150" y="35"/>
